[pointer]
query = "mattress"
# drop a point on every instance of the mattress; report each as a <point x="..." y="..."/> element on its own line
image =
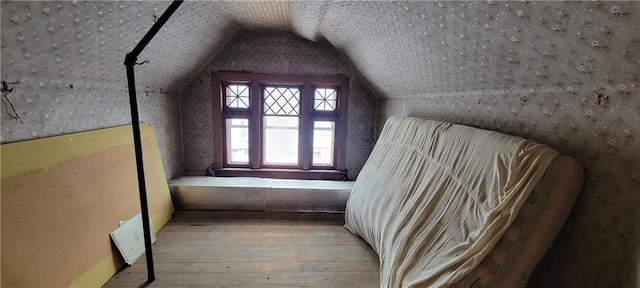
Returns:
<point x="516" y="254"/>
<point x="435" y="198"/>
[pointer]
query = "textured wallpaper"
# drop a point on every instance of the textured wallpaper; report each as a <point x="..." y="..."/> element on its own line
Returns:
<point x="261" y="51"/>
<point x="564" y="74"/>
<point x="68" y="59"/>
<point x="87" y="40"/>
<point x="55" y="107"/>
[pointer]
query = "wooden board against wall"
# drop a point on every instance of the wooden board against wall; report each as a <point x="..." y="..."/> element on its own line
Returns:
<point x="63" y="195"/>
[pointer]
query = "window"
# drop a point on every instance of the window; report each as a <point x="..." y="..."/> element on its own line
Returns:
<point x="279" y="126"/>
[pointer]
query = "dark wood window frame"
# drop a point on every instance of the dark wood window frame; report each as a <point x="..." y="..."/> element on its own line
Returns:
<point x="255" y="167"/>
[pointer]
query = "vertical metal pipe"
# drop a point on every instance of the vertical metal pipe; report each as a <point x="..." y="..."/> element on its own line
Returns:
<point x="142" y="187"/>
<point x="129" y="62"/>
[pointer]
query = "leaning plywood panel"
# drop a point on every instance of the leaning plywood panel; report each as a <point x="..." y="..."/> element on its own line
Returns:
<point x="63" y="195"/>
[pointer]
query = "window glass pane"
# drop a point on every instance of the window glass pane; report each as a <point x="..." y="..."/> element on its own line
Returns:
<point x="280" y="140"/>
<point x="237" y="141"/>
<point x="323" y="139"/>
<point x="281" y="100"/>
<point x="325" y="99"/>
<point x="236" y="96"/>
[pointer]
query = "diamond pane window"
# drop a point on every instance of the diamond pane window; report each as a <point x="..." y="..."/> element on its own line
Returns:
<point x="325" y="99"/>
<point x="281" y="100"/>
<point x="279" y="126"/>
<point x="280" y="140"/>
<point x="236" y="96"/>
<point x="237" y="141"/>
<point x="324" y="133"/>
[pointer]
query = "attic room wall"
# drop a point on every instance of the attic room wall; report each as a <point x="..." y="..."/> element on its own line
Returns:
<point x="564" y="74"/>
<point x="50" y="107"/>
<point x="68" y="57"/>
<point x="272" y="52"/>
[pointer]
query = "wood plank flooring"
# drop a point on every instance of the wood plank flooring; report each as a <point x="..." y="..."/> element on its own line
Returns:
<point x="255" y="249"/>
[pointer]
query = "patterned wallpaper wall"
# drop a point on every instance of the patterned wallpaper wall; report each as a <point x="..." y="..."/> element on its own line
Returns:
<point x="51" y="107"/>
<point x="564" y="74"/>
<point x="68" y="57"/>
<point x="261" y="51"/>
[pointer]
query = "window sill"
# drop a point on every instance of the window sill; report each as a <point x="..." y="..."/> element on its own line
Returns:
<point x="259" y="194"/>
<point x="282" y="173"/>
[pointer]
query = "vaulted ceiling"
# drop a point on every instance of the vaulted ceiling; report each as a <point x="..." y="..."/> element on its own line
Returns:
<point x="564" y="73"/>
<point x="403" y="49"/>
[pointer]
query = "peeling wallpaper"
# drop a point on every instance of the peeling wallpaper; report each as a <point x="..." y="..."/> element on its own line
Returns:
<point x="261" y="51"/>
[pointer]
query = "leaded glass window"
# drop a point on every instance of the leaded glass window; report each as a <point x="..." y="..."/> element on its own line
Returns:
<point x="281" y="100"/>
<point x="325" y="99"/>
<point x="236" y="96"/>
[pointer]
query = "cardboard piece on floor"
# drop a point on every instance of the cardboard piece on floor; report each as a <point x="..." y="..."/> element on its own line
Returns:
<point x="129" y="238"/>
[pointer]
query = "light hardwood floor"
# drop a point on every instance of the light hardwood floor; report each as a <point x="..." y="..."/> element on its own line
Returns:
<point x="255" y="249"/>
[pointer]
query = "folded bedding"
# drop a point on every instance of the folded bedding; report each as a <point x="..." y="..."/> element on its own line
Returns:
<point x="434" y="198"/>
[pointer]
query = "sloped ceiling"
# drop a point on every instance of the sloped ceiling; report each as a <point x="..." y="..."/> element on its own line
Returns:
<point x="86" y="42"/>
<point x="402" y="48"/>
<point x="564" y="72"/>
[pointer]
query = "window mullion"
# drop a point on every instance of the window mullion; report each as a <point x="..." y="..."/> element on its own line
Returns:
<point x="218" y="134"/>
<point x="255" y="127"/>
<point x="341" y="127"/>
<point x="330" y="108"/>
<point x="306" y="133"/>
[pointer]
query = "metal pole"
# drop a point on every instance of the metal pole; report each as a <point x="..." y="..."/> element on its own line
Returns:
<point x="137" y="143"/>
<point x="129" y="62"/>
<point x="154" y="29"/>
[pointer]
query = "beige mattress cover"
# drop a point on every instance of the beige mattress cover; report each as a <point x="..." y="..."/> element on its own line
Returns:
<point x="434" y="198"/>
